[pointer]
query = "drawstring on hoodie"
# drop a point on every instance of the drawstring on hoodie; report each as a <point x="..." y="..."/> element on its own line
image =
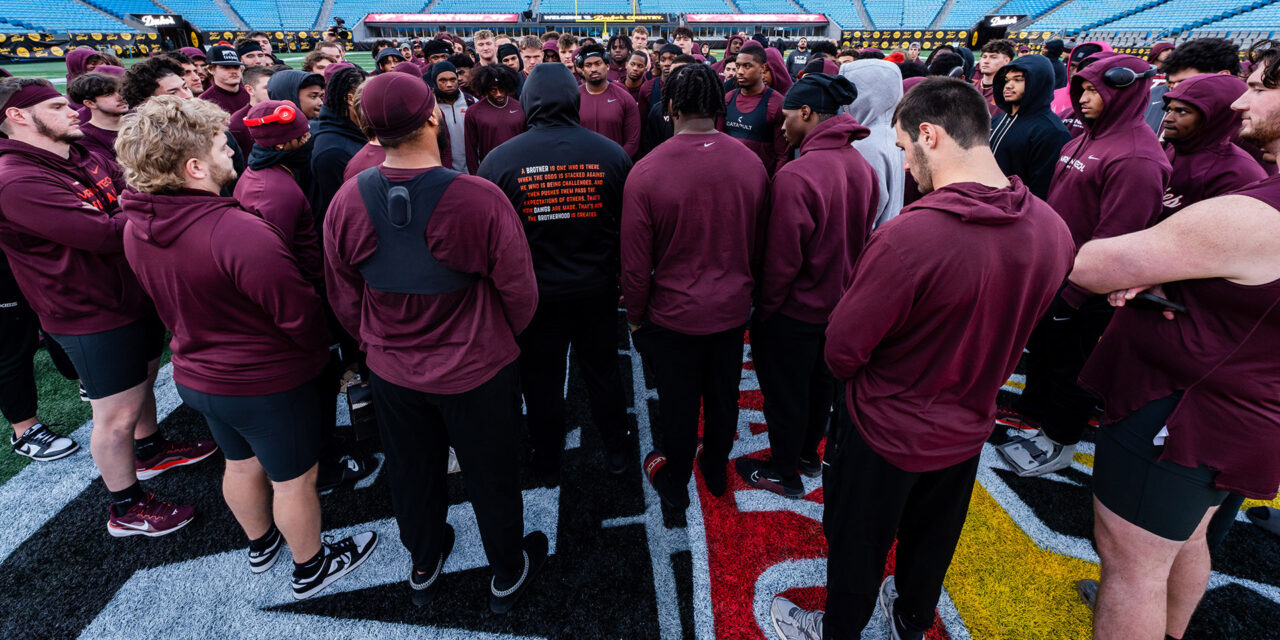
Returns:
<point x="1001" y="131"/>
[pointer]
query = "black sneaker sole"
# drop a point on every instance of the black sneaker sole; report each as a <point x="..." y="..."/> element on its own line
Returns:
<point x="536" y="546"/>
<point x="422" y="597"/>
<point x="747" y="468"/>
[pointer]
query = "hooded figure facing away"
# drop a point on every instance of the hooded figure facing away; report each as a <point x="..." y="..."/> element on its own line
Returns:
<point x="879" y="86"/>
<point x="575" y="248"/>
<point x="1027" y="136"/>
<point x="1198" y="126"/>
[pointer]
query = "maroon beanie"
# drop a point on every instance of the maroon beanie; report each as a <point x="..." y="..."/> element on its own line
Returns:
<point x="334" y="68"/>
<point x="274" y="122"/>
<point x="396" y="104"/>
<point x="409" y="68"/>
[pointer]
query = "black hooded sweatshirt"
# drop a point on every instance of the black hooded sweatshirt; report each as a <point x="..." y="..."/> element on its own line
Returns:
<point x="335" y="140"/>
<point x="574" y="243"/>
<point x="1028" y="144"/>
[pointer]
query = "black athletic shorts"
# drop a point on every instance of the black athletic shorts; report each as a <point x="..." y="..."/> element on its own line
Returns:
<point x="283" y="430"/>
<point x="113" y="361"/>
<point x="1129" y="478"/>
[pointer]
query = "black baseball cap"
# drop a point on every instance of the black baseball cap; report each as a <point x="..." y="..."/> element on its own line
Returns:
<point x="223" y="56"/>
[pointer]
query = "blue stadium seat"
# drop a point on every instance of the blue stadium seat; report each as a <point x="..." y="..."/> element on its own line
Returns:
<point x="1265" y="18"/>
<point x="840" y="11"/>
<point x="966" y="14"/>
<point x="585" y="6"/>
<point x="1081" y="12"/>
<point x="766" y="6"/>
<point x="1028" y="7"/>
<point x="33" y="16"/>
<point x="201" y="13"/>
<point x="1171" y="14"/>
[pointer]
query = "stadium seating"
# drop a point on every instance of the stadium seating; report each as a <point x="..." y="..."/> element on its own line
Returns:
<point x="685" y="6"/>
<point x="966" y="14"/>
<point x="289" y="15"/>
<point x="766" y="6"/>
<point x="123" y="8"/>
<point x="33" y="16"/>
<point x="839" y="11"/>
<point x="1071" y="17"/>
<point x="354" y="10"/>
<point x="201" y="13"/>
<point x="1263" y="19"/>
<point x="1170" y="14"/>
<point x="480" y="6"/>
<point x="1028" y="7"/>
<point x="891" y="14"/>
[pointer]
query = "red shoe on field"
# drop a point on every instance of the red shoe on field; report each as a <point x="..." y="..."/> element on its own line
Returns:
<point x="175" y="454"/>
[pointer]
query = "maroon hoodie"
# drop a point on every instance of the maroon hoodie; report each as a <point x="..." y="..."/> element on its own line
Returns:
<point x="274" y="194"/>
<point x="98" y="140"/>
<point x="77" y="60"/>
<point x="772" y="154"/>
<point x="939" y="308"/>
<point x="487" y="126"/>
<point x="60" y="229"/>
<point x="449" y="343"/>
<point x="612" y="114"/>
<point x="244" y="321"/>
<point x="370" y="155"/>
<point x="230" y="102"/>
<point x="823" y="206"/>
<point x="239" y="131"/>
<point x="1206" y="163"/>
<point x="690" y="211"/>
<point x="1110" y="180"/>
<point x="1221" y="355"/>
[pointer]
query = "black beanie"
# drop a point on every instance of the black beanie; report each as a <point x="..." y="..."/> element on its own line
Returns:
<point x="436" y="47"/>
<point x="509" y="50"/>
<point x="821" y="92"/>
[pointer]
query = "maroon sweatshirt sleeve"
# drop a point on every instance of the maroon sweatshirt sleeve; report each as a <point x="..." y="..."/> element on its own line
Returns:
<point x="876" y="304"/>
<point x="630" y="126"/>
<point x="485" y="236"/>
<point x="263" y="269"/>
<point x="780" y="146"/>
<point x="787" y="232"/>
<point x="637" y="250"/>
<point x="46" y="208"/>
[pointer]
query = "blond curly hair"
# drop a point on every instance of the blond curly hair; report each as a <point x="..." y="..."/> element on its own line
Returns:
<point x="157" y="139"/>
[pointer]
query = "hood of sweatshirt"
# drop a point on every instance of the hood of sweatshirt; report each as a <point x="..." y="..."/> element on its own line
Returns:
<point x="879" y="86"/>
<point x="778" y="69"/>
<point x="834" y="133"/>
<point x="978" y="203"/>
<point x="550" y="97"/>
<point x="1212" y="96"/>
<point x="330" y="122"/>
<point x="1038" y="94"/>
<point x="1122" y="108"/>
<point x="159" y="219"/>
<point x="285" y="85"/>
<point x="1091" y="47"/>
<point x="76" y="60"/>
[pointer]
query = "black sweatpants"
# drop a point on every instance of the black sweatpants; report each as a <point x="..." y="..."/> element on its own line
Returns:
<point x="590" y="324"/>
<point x="1058" y="349"/>
<point x="417" y="429"/>
<point x="692" y="373"/>
<point x="18" y="342"/>
<point x="797" y="385"/>
<point x="868" y="502"/>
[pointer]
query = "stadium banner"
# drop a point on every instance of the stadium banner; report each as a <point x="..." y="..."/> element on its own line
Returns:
<point x="45" y="46"/>
<point x="756" y="18"/>
<point x="280" y="40"/>
<point x="996" y="22"/>
<point x="658" y="18"/>
<point x="154" y="20"/>
<point x="901" y="38"/>
<point x="433" y="18"/>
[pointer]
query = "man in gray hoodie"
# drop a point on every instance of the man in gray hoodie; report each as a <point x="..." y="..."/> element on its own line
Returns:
<point x="879" y="86"/>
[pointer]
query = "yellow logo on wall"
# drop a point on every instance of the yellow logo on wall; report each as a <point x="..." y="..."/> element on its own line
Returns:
<point x="279" y="35"/>
<point x="302" y="34"/>
<point x="96" y="36"/>
<point x="3" y="38"/>
<point x="57" y="51"/>
<point x="22" y="52"/>
<point x="126" y="36"/>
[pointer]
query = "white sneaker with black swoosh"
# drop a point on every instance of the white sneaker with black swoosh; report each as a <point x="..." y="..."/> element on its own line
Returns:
<point x="340" y="558"/>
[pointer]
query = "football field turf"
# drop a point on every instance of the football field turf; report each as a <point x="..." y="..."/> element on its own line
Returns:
<point x="621" y="567"/>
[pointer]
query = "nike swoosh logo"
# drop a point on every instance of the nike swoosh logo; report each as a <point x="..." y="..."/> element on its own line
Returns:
<point x="1057" y="319"/>
<point x="140" y="527"/>
<point x="512" y="111"/>
<point x="707" y="144"/>
<point x="1094" y="157"/>
<point x="613" y="100"/>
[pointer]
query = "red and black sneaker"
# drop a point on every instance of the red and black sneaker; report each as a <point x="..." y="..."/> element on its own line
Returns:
<point x="1011" y="418"/>
<point x="653" y="465"/>
<point x="150" y="517"/>
<point x="175" y="454"/>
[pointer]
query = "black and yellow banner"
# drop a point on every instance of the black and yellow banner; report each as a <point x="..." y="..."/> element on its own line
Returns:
<point x="887" y="39"/>
<point x="44" y="46"/>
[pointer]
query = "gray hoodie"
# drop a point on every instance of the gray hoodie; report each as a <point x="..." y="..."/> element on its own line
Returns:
<point x="879" y="86"/>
